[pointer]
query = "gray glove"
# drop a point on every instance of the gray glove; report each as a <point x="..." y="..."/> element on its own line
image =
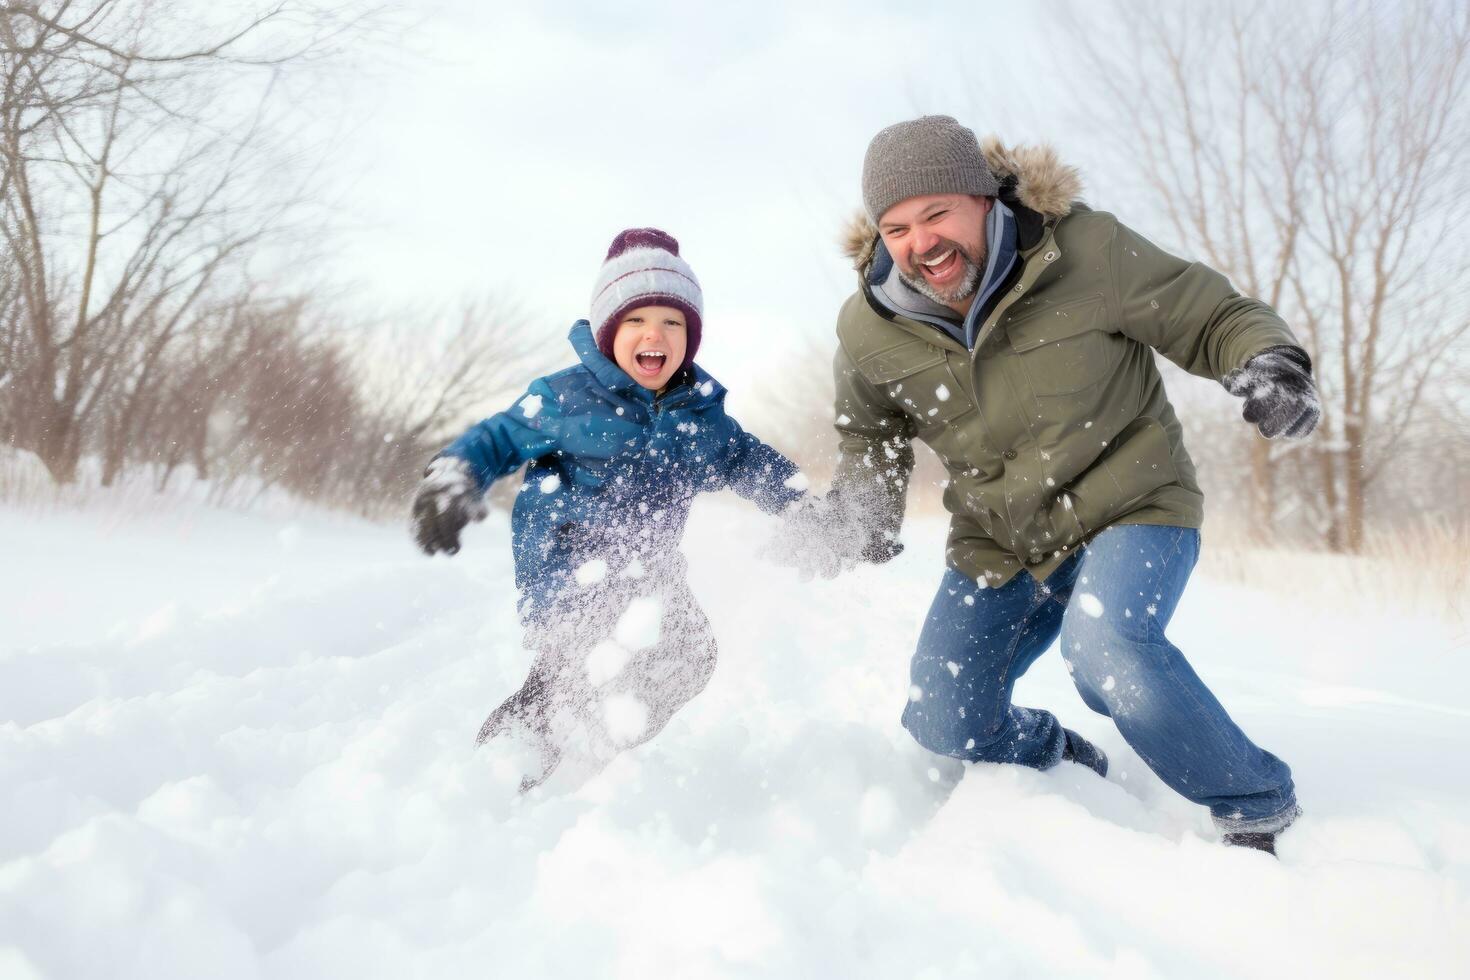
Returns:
<point x="819" y="537"/>
<point x="447" y="500"/>
<point x="1280" y="398"/>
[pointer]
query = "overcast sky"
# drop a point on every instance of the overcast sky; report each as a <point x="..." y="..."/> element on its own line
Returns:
<point x="509" y="150"/>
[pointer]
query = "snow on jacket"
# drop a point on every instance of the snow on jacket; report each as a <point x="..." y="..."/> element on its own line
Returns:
<point x="614" y="467"/>
<point x="1056" y="425"/>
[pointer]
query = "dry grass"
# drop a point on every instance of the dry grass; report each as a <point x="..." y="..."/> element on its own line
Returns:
<point x="26" y="486"/>
<point x="1421" y="566"/>
<point x="23" y="480"/>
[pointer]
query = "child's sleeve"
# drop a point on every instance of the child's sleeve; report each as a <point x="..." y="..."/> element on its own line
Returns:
<point x="500" y="444"/>
<point x="759" y="473"/>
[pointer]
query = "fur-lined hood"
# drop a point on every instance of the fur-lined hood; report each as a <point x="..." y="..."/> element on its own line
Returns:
<point x="1033" y="175"/>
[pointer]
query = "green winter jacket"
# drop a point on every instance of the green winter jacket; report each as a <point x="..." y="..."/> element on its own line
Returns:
<point x="1058" y="425"/>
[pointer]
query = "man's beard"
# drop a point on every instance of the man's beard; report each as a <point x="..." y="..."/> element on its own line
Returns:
<point x="969" y="280"/>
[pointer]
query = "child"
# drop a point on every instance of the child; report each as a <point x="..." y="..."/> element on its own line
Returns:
<point x="618" y="444"/>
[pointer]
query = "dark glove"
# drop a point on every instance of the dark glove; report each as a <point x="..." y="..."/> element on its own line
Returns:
<point x="1280" y="398"/>
<point x="447" y="500"/>
<point x="824" y="537"/>
<point x="878" y="546"/>
<point x="818" y="538"/>
<point x="881" y="546"/>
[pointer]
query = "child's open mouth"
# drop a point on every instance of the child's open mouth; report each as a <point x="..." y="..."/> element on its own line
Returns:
<point x="651" y="362"/>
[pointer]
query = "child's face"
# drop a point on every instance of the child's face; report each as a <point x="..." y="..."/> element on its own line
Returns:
<point x="650" y="344"/>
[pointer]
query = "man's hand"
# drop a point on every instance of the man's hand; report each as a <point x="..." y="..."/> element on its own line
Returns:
<point x="447" y="500"/>
<point x="823" y="537"/>
<point x="1280" y="398"/>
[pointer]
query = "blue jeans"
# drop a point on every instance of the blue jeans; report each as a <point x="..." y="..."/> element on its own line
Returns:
<point x="1110" y="603"/>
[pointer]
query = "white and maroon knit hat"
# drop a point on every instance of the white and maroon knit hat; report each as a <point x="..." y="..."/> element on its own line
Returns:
<point x="643" y="268"/>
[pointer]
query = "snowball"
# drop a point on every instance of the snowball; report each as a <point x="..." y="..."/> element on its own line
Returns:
<point x="969" y="600"/>
<point x="15" y="964"/>
<point x="1109" y="683"/>
<point x="289" y="537"/>
<point x="942" y="393"/>
<point x="916" y="693"/>
<point x="626" y="718"/>
<point x="954" y="668"/>
<point x="605" y="662"/>
<point x="638" y="627"/>
<point x="877" y="812"/>
<point x="549" y="484"/>
<point x="157" y="623"/>
<point x="531" y="406"/>
<point x="1090" y="604"/>
<point x="187" y="808"/>
<point x="591" y="572"/>
<point x="707" y="389"/>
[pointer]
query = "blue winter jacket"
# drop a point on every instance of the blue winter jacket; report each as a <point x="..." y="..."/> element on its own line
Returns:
<point x="614" y="467"/>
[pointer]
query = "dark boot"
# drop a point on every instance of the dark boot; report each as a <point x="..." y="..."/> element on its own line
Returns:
<point x="542" y="757"/>
<point x="521" y="715"/>
<point x="1256" y="841"/>
<point x="1079" y="750"/>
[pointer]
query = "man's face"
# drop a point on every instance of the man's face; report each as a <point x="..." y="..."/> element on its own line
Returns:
<point x="938" y="244"/>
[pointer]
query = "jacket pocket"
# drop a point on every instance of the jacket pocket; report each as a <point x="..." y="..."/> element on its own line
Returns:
<point x="1064" y="348"/>
<point x="918" y="379"/>
<point x="1140" y="463"/>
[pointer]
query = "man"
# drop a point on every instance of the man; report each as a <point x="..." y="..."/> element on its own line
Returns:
<point x="1009" y="327"/>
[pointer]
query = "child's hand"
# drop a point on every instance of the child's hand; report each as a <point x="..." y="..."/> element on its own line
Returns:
<point x="818" y="538"/>
<point x="446" y="501"/>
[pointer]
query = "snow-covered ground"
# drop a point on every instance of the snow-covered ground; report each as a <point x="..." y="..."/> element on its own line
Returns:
<point x="234" y="745"/>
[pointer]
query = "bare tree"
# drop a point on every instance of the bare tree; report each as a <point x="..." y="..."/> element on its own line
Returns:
<point x="796" y="409"/>
<point x="130" y="186"/>
<point x="139" y="181"/>
<point x="10" y="338"/>
<point x="796" y="417"/>
<point x="426" y="377"/>
<point x="1315" y="154"/>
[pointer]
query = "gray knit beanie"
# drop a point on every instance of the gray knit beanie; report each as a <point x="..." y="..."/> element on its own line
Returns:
<point x="928" y="155"/>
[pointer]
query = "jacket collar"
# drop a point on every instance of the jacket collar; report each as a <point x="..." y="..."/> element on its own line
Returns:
<point x="690" y="388"/>
<point x="888" y="289"/>
<point x="1034" y="184"/>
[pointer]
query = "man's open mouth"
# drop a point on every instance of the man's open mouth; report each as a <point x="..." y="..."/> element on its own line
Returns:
<point x="651" y="362"/>
<point x="943" y="266"/>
